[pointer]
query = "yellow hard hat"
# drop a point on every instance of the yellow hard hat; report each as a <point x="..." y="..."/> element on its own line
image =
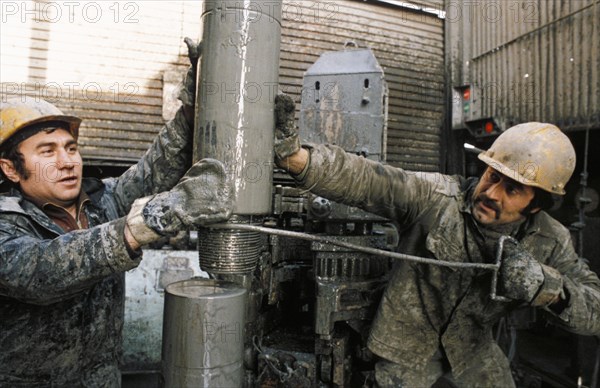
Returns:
<point x="21" y="112"/>
<point x="534" y="154"/>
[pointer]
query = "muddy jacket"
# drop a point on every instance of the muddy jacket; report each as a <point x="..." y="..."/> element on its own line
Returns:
<point x="62" y="294"/>
<point x="424" y="306"/>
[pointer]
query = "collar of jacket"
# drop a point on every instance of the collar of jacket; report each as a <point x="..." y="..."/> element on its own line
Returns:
<point x="13" y="202"/>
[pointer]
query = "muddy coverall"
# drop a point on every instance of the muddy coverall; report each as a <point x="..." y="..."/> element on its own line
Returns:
<point x="62" y="294"/>
<point x="430" y="312"/>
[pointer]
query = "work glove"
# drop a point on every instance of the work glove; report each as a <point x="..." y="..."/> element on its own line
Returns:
<point x="187" y="89"/>
<point x="523" y="278"/>
<point x="203" y="196"/>
<point x="287" y="141"/>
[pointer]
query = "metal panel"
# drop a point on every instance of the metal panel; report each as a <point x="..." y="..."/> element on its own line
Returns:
<point x="409" y="48"/>
<point x="101" y="61"/>
<point x="531" y="60"/>
<point x="344" y="103"/>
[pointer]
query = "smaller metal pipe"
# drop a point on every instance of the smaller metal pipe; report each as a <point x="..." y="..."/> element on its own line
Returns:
<point x="359" y="248"/>
<point x="203" y="334"/>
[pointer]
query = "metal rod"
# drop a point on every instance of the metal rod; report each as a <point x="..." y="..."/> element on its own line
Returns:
<point x="359" y="248"/>
<point x="499" y="253"/>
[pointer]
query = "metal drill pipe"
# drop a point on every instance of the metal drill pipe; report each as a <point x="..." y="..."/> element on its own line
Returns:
<point x="237" y="83"/>
<point x="203" y="334"/>
<point x="373" y="251"/>
<point x="234" y="122"/>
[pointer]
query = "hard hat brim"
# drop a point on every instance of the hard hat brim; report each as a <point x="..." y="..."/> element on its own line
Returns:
<point x="72" y="122"/>
<point x="515" y="175"/>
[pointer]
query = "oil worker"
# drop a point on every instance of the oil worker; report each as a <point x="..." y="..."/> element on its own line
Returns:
<point x="437" y="321"/>
<point x="66" y="241"/>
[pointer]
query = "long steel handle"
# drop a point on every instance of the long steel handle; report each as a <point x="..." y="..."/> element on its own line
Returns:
<point x="373" y="251"/>
<point x="380" y="252"/>
<point x="499" y="251"/>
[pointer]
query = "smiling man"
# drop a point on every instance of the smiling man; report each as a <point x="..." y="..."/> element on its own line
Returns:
<point x="66" y="241"/>
<point x="437" y="321"/>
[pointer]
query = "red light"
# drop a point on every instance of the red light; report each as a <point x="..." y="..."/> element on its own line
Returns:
<point x="467" y="94"/>
<point x="489" y="127"/>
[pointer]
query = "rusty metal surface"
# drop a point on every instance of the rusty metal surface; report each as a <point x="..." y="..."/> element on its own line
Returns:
<point x="529" y="60"/>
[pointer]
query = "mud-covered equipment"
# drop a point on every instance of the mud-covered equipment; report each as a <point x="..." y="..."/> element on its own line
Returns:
<point x="22" y="112"/>
<point x="534" y="154"/>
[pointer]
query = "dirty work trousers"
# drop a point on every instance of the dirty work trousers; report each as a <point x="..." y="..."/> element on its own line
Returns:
<point x="491" y="370"/>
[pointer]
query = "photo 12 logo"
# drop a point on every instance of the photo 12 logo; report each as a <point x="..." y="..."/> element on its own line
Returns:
<point x="53" y="172"/>
<point x="489" y="11"/>
<point x="255" y="11"/>
<point x="54" y="92"/>
<point x="221" y="332"/>
<point x="234" y="92"/>
<point x="69" y="11"/>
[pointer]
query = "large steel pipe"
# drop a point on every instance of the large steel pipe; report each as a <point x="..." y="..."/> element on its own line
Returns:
<point x="237" y="84"/>
<point x="203" y="334"/>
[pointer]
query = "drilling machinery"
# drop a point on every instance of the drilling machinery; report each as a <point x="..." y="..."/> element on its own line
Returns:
<point x="308" y="305"/>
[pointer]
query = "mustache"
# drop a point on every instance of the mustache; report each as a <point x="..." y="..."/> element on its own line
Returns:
<point x="489" y="203"/>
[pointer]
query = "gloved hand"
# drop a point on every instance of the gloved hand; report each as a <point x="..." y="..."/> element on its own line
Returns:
<point x="287" y="141"/>
<point x="187" y="89"/>
<point x="203" y="196"/>
<point x="523" y="278"/>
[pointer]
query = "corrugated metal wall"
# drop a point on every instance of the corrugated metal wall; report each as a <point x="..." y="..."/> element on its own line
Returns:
<point x="429" y="5"/>
<point x="533" y="60"/>
<point x="101" y="61"/>
<point x="409" y="47"/>
<point x="104" y="61"/>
